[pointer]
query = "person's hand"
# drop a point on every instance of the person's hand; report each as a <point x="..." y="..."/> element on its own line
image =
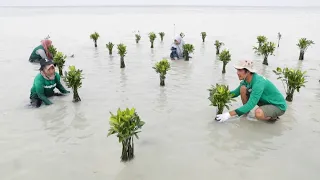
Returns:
<point x="223" y="117"/>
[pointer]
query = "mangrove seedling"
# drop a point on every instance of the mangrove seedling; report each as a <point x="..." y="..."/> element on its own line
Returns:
<point x="279" y="37"/>
<point x="292" y="80"/>
<point x="220" y="97"/>
<point x="266" y="50"/>
<point x="122" y="51"/>
<point x="126" y="124"/>
<point x="261" y="40"/>
<point x="304" y="45"/>
<point x="203" y="35"/>
<point x="225" y="57"/>
<point x="187" y="49"/>
<point x="110" y="47"/>
<point x="162" y="67"/>
<point x="59" y="60"/>
<point x="95" y="36"/>
<point x="152" y="37"/>
<point x="138" y="37"/>
<point x="218" y="45"/>
<point x="161" y="35"/>
<point x="73" y="79"/>
<point x="52" y="50"/>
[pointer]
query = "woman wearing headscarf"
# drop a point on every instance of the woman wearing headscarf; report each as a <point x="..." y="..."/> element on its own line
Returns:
<point x="41" y="52"/>
<point x="177" y="49"/>
<point x="45" y="83"/>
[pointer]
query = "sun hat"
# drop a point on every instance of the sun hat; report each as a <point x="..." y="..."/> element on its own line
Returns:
<point x="45" y="62"/>
<point x="245" y="64"/>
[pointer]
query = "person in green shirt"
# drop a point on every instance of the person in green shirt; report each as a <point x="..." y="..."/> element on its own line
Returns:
<point x="255" y="89"/>
<point x="41" y="51"/>
<point x="45" y="83"/>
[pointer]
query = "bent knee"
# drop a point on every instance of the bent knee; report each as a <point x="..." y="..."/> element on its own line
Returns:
<point x="243" y="90"/>
<point x="259" y="113"/>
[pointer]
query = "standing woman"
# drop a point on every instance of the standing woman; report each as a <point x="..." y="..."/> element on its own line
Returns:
<point x="41" y="52"/>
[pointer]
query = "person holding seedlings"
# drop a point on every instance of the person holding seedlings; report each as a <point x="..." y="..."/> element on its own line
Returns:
<point x="255" y="89"/>
<point x="45" y="83"/>
<point x="177" y="49"/>
<point x="41" y="51"/>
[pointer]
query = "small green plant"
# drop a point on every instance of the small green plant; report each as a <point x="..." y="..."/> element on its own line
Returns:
<point x="162" y="67"/>
<point x="52" y="50"/>
<point x="161" y="35"/>
<point x="218" y="45"/>
<point x="138" y="38"/>
<point x="203" y="35"/>
<point x="122" y="51"/>
<point x="266" y="50"/>
<point x="261" y="40"/>
<point x="304" y="44"/>
<point x="292" y="80"/>
<point x="110" y="47"/>
<point x="225" y="57"/>
<point x="279" y="37"/>
<point x="126" y="124"/>
<point x="73" y="79"/>
<point x="59" y="60"/>
<point x="187" y="49"/>
<point x="95" y="36"/>
<point x="220" y="97"/>
<point x="152" y="37"/>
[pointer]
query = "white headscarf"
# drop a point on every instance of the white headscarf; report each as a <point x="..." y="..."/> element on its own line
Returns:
<point x="179" y="46"/>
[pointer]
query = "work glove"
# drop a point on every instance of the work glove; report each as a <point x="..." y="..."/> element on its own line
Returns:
<point x="223" y="117"/>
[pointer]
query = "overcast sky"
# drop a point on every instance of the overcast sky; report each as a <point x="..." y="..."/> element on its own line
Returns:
<point x="160" y="2"/>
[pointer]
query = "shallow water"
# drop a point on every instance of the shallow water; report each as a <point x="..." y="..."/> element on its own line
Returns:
<point x="180" y="139"/>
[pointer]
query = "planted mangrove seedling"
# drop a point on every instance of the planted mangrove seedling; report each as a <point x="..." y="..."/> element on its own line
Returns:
<point x="203" y="35"/>
<point x="304" y="45"/>
<point x="279" y="37"/>
<point x="52" y="50"/>
<point x="59" y="60"/>
<point x="152" y="37"/>
<point x="73" y="79"/>
<point x="122" y="51"/>
<point x="220" y="97"/>
<point x="266" y="50"/>
<point x="162" y="67"/>
<point x="95" y="36"/>
<point x="225" y="57"/>
<point x="126" y="124"/>
<point x="218" y="45"/>
<point x="138" y="37"/>
<point x="292" y="80"/>
<point x="261" y="40"/>
<point x="161" y="35"/>
<point x="110" y="47"/>
<point x="187" y="49"/>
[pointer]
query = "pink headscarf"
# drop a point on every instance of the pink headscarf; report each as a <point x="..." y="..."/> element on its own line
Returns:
<point x="46" y="43"/>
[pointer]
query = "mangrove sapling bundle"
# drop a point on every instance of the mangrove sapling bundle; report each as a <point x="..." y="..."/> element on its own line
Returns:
<point x="161" y="35"/>
<point x="73" y="79"/>
<point x="52" y="50"/>
<point x="279" y="37"/>
<point x="122" y="51"/>
<point x="261" y="40"/>
<point x="138" y="37"/>
<point x="162" y="67"/>
<point x="218" y="45"/>
<point x="203" y="35"/>
<point x="110" y="47"/>
<point x="266" y="50"/>
<point x="126" y="124"/>
<point x="304" y="45"/>
<point x="152" y="37"/>
<point x="292" y="80"/>
<point x="220" y="97"/>
<point x="187" y="49"/>
<point x="59" y="60"/>
<point x="225" y="57"/>
<point x="95" y="36"/>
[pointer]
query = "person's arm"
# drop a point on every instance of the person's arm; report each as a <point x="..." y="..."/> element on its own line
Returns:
<point x="40" y="92"/>
<point x="42" y="53"/>
<point x="236" y="92"/>
<point x="254" y="98"/>
<point x="59" y="86"/>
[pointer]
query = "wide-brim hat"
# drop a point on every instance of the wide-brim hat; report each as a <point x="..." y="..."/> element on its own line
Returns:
<point x="245" y="64"/>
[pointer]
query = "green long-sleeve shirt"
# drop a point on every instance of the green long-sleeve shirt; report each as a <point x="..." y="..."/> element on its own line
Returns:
<point x="43" y="88"/>
<point x="263" y="91"/>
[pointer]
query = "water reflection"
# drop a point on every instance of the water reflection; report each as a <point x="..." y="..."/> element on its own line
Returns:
<point x="162" y="99"/>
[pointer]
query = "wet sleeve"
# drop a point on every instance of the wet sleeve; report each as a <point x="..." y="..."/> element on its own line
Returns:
<point x="255" y="95"/>
<point x="40" y="92"/>
<point x="59" y="85"/>
<point x="236" y="92"/>
<point x="42" y="53"/>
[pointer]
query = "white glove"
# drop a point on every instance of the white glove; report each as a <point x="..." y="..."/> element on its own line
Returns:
<point x="223" y="117"/>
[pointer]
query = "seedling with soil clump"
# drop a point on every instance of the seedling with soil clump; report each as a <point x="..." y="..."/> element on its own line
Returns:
<point x="73" y="79"/>
<point x="225" y="57"/>
<point x="122" y="51"/>
<point x="187" y="49"/>
<point x="304" y="45"/>
<point x="59" y="60"/>
<point x="218" y="45"/>
<point x="95" y="36"/>
<point x="110" y="47"/>
<point x="152" y="37"/>
<point x="162" y="67"/>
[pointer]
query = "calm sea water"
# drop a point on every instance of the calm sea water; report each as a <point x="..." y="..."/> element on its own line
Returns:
<point x="180" y="140"/>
